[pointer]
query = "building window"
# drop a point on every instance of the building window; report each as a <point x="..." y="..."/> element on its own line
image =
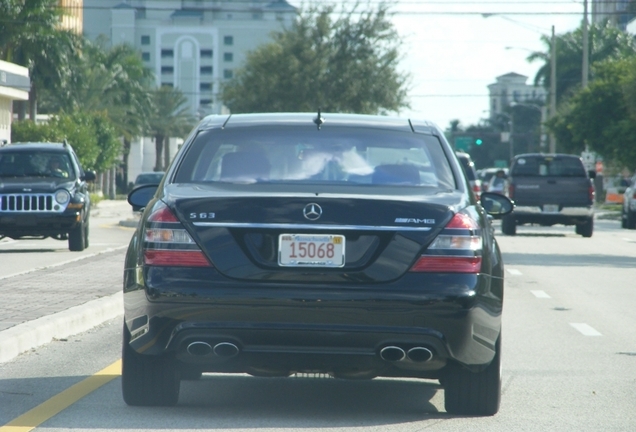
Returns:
<point x="167" y="53"/>
<point x="167" y="84"/>
<point x="167" y="69"/>
<point x="206" y="70"/>
<point x="228" y="73"/>
<point x="228" y="57"/>
<point x="228" y="40"/>
<point x="145" y="40"/>
<point x="206" y="102"/>
<point x="145" y="56"/>
<point x="206" y="53"/>
<point x="205" y="86"/>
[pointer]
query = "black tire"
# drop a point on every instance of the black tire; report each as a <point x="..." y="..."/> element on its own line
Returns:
<point x="148" y="380"/>
<point x="189" y="374"/>
<point x="586" y="229"/>
<point x="630" y="220"/>
<point x="77" y="238"/>
<point x="508" y="225"/>
<point x="474" y="393"/>
<point x="86" y="232"/>
<point x="623" y="219"/>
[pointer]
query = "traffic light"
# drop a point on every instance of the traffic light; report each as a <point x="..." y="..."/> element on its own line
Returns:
<point x="478" y="141"/>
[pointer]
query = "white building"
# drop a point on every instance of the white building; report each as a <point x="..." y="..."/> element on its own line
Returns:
<point x="614" y="11"/>
<point x="14" y="85"/>
<point x="513" y="88"/>
<point x="192" y="45"/>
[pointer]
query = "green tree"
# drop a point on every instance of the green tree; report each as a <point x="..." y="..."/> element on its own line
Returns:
<point x="169" y="118"/>
<point x="602" y="117"/>
<point x="111" y="81"/>
<point x="91" y="134"/>
<point x="343" y="62"/>
<point x="30" y="36"/>
<point x="605" y="42"/>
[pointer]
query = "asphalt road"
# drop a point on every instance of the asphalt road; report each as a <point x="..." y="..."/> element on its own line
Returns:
<point x="569" y="363"/>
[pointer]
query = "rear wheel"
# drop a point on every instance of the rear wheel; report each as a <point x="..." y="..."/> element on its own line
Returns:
<point x="508" y="225"/>
<point x="630" y="220"/>
<point x="586" y="229"/>
<point x="188" y="374"/>
<point x="86" y="231"/>
<point x="77" y="238"/>
<point x="474" y="393"/>
<point x="148" y="380"/>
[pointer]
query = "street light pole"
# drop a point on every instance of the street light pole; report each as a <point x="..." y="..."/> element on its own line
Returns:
<point x="586" y="53"/>
<point x="553" y="60"/>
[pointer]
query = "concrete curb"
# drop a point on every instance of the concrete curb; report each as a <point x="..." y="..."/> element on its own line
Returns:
<point x="23" y="337"/>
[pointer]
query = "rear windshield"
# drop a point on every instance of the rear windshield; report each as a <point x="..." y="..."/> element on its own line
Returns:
<point x="336" y="155"/>
<point x="549" y="166"/>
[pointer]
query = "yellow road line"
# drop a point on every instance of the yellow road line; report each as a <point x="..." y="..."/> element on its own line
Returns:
<point x="58" y="403"/>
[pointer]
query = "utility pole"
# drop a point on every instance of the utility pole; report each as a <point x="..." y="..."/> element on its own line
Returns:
<point x="586" y="49"/>
<point x="553" y="60"/>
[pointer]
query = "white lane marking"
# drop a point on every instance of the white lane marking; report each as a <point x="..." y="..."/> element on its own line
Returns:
<point x="540" y="294"/>
<point x="514" y="272"/>
<point x="585" y="329"/>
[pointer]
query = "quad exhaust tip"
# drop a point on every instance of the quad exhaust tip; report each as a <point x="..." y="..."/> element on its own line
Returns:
<point x="222" y="349"/>
<point x="392" y="353"/>
<point x="418" y="354"/>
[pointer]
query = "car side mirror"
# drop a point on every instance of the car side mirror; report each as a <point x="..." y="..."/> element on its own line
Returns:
<point x="140" y="196"/>
<point x="496" y="205"/>
<point x="89" y="175"/>
<point x="592" y="174"/>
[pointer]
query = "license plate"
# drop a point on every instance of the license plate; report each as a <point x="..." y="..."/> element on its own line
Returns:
<point x="311" y="250"/>
<point x="550" y="208"/>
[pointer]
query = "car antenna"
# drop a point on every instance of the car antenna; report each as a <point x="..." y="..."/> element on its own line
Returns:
<point x="319" y="120"/>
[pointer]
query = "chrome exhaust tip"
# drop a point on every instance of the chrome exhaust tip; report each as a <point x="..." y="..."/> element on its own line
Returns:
<point x="392" y="353"/>
<point x="419" y="354"/>
<point x="199" y="348"/>
<point x="225" y="349"/>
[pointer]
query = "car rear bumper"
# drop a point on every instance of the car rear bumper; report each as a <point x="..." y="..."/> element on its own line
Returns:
<point x="277" y="329"/>
<point x="565" y="215"/>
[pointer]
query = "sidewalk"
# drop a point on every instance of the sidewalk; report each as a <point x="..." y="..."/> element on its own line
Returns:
<point x="55" y="303"/>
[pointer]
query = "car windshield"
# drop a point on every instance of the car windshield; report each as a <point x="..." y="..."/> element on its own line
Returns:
<point x="349" y="156"/>
<point x="548" y="166"/>
<point x="35" y="164"/>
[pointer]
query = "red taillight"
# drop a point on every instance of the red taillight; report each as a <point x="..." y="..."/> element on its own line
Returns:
<point x="176" y="258"/>
<point x="457" y="249"/>
<point x="167" y="243"/>
<point x="447" y="264"/>
<point x="163" y="214"/>
<point x="462" y="221"/>
<point x="592" y="193"/>
<point x="511" y="191"/>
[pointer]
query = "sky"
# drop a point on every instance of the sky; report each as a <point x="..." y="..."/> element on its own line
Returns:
<point x="453" y="49"/>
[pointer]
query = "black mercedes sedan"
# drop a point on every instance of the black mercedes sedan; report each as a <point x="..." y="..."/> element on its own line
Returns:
<point x="340" y="244"/>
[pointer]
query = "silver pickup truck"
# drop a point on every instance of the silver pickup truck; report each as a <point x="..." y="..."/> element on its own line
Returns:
<point x="550" y="189"/>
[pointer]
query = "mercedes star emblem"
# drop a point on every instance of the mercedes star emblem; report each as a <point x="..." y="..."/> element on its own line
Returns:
<point x="312" y="211"/>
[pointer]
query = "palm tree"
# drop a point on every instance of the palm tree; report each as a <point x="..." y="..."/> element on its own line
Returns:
<point x="113" y="81"/>
<point x="171" y="117"/>
<point x="606" y="41"/>
<point x="30" y="36"/>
